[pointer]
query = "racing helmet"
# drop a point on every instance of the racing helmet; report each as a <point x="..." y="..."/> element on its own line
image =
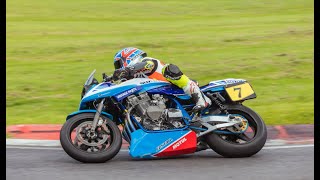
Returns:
<point x="128" y="56"/>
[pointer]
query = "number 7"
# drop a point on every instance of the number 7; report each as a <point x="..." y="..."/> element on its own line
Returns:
<point x="239" y="95"/>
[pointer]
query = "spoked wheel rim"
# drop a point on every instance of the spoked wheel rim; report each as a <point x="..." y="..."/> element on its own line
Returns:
<point x="93" y="142"/>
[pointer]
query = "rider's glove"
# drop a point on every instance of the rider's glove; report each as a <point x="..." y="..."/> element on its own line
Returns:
<point x="126" y="73"/>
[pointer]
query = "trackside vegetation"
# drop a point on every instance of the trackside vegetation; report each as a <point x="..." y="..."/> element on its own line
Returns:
<point x="52" y="46"/>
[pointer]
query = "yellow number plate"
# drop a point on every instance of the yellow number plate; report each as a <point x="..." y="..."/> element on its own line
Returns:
<point x="240" y="92"/>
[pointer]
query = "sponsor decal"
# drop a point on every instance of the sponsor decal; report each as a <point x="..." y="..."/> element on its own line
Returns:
<point x="145" y="82"/>
<point x="231" y="81"/>
<point x="179" y="143"/>
<point x="126" y="93"/>
<point x="164" y="144"/>
<point x="149" y="65"/>
<point x="187" y="143"/>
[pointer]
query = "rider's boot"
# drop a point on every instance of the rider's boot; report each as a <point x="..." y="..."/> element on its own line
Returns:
<point x="173" y="74"/>
<point x="201" y="100"/>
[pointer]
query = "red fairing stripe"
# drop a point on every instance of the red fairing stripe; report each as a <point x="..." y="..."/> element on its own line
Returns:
<point x="185" y="145"/>
<point x="126" y="54"/>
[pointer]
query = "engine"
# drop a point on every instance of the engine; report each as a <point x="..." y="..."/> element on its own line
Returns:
<point x="152" y="113"/>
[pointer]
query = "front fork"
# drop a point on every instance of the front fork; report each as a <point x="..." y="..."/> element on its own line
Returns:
<point x="97" y="116"/>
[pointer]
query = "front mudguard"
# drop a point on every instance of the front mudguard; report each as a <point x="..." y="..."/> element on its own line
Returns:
<point x="88" y="111"/>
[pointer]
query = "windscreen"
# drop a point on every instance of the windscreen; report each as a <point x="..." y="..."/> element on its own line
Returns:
<point x="90" y="78"/>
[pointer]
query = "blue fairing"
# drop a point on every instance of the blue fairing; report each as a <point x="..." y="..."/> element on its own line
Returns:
<point x="145" y="145"/>
<point x="212" y="88"/>
<point x="219" y="85"/>
<point x="137" y="85"/>
<point x="170" y="90"/>
<point x="122" y="90"/>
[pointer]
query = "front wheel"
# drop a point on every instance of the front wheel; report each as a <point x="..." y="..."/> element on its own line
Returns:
<point x="245" y="144"/>
<point x="90" y="147"/>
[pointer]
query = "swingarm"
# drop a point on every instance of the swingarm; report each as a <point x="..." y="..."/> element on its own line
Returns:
<point x="235" y="124"/>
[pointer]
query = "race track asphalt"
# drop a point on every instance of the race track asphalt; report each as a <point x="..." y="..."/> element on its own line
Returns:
<point x="282" y="162"/>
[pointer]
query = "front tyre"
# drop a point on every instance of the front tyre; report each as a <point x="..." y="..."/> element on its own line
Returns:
<point x="240" y="145"/>
<point x="99" y="147"/>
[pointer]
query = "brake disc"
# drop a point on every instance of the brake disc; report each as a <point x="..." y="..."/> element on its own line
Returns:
<point x="83" y="131"/>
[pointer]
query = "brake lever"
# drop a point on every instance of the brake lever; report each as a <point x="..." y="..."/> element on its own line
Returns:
<point x="106" y="78"/>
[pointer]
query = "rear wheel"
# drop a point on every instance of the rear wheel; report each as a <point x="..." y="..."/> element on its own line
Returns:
<point x="90" y="147"/>
<point x="245" y="144"/>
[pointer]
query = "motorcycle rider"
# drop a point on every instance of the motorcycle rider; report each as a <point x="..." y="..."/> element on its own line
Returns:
<point x="132" y="62"/>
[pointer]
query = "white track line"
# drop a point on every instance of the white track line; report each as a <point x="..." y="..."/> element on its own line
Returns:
<point x="288" y="146"/>
<point x="45" y="148"/>
<point x="126" y="150"/>
<point x="26" y="147"/>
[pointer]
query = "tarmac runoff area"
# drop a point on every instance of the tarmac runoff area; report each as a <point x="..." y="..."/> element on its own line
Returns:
<point x="285" y="162"/>
<point x="48" y="135"/>
<point x="287" y="155"/>
<point x="34" y="143"/>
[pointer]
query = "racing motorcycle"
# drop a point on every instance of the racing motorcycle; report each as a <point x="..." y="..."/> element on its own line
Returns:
<point x="157" y="120"/>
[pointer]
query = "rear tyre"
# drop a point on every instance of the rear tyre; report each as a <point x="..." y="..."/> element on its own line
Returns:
<point x="243" y="145"/>
<point x="104" y="147"/>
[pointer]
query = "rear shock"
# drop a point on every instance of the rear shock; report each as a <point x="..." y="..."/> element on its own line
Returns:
<point x="218" y="100"/>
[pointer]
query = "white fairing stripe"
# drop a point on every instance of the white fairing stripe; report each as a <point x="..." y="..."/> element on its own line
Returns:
<point x="135" y="81"/>
<point x="172" y="143"/>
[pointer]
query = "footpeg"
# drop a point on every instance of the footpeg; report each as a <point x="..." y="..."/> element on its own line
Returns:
<point x="201" y="146"/>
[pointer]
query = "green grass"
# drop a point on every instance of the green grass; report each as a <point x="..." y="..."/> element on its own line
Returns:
<point x="52" y="46"/>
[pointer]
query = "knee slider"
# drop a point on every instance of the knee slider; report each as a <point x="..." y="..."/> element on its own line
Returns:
<point x="172" y="71"/>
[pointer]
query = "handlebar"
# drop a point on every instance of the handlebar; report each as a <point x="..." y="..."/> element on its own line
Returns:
<point x="106" y="78"/>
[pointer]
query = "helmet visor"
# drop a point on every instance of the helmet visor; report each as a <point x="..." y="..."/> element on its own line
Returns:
<point x="135" y="60"/>
<point x="118" y="64"/>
